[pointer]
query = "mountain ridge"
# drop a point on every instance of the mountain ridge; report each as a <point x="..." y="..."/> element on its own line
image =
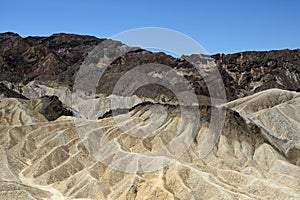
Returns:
<point x="56" y="59"/>
<point x="145" y="141"/>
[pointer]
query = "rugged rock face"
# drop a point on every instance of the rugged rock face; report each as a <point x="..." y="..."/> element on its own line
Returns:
<point x="250" y="72"/>
<point x="43" y="58"/>
<point x="52" y="108"/>
<point x="55" y="60"/>
<point x="60" y="143"/>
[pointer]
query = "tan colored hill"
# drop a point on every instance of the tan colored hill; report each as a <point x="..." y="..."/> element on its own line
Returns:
<point x="50" y="160"/>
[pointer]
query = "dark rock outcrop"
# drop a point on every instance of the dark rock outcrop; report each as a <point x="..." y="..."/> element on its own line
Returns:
<point x="8" y="93"/>
<point x="52" y="108"/>
<point x="43" y="58"/>
<point x="246" y="73"/>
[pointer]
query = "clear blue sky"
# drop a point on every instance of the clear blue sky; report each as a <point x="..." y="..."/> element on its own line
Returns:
<point x="224" y="26"/>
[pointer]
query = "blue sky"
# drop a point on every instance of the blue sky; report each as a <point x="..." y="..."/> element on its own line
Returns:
<point x="226" y="26"/>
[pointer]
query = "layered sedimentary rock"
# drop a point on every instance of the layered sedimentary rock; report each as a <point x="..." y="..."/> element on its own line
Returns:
<point x="247" y="162"/>
<point x="60" y="143"/>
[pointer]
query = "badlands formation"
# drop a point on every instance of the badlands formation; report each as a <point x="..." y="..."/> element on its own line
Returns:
<point x="65" y="136"/>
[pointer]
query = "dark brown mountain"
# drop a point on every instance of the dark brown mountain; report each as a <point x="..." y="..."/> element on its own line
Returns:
<point x="55" y="60"/>
<point x="43" y="58"/>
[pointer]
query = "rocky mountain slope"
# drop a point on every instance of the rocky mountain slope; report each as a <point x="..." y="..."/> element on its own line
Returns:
<point x="56" y="59"/>
<point x="60" y="143"/>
